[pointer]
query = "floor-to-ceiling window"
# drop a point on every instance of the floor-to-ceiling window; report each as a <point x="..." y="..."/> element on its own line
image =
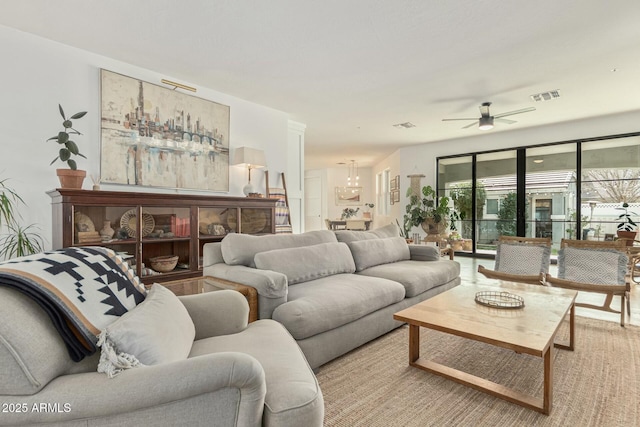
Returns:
<point x="550" y="187"/>
<point x="570" y="190"/>
<point x="610" y="176"/>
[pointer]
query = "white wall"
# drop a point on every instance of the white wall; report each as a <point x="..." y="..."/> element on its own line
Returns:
<point x="393" y="163"/>
<point x="37" y="74"/>
<point x="337" y="177"/>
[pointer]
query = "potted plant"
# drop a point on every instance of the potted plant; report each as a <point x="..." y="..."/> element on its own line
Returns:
<point x="405" y="229"/>
<point x="72" y="177"/>
<point x="455" y="241"/>
<point x="349" y="212"/>
<point x="627" y="228"/>
<point x="367" y="213"/>
<point x="15" y="239"/>
<point x="428" y="211"/>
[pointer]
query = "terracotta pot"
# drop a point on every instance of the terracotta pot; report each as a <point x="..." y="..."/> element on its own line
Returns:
<point x="629" y="236"/>
<point x="70" y="178"/>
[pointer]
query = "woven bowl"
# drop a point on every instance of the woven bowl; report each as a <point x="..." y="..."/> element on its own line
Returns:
<point x="164" y="263"/>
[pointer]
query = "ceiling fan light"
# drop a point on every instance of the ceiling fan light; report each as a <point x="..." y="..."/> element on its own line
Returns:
<point x="486" y="123"/>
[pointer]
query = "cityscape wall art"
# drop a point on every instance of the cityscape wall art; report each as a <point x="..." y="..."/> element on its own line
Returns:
<point x="158" y="137"/>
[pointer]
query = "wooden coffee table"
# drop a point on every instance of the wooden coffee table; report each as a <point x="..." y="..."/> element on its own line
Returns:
<point x="531" y="330"/>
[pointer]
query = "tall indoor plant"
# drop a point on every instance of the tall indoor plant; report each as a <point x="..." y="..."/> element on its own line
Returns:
<point x="72" y="177"/>
<point x="427" y="210"/>
<point x="15" y="239"/>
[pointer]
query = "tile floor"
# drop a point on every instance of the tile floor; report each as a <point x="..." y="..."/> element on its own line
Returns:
<point x="469" y="274"/>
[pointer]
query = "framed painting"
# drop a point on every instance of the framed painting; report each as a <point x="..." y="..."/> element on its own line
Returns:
<point x="154" y="136"/>
<point x="348" y="195"/>
<point x="392" y="184"/>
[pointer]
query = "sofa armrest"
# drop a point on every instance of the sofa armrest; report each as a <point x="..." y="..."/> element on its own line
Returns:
<point x="424" y="253"/>
<point x="217" y="313"/>
<point x="157" y="393"/>
<point x="268" y="283"/>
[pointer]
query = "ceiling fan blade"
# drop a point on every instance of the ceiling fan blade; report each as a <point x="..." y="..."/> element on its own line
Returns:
<point x="510" y="122"/>
<point x="449" y="120"/>
<point x="472" y="124"/>
<point x="511" y="113"/>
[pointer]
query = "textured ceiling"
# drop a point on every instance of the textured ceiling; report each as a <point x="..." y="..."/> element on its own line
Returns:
<point x="350" y="69"/>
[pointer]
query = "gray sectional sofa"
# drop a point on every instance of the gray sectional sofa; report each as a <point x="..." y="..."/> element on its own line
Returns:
<point x="333" y="291"/>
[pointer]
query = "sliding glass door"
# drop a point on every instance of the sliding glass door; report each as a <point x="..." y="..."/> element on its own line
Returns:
<point x="550" y="187"/>
<point x="571" y="190"/>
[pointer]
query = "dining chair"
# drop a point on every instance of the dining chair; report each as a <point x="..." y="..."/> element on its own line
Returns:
<point x="595" y="266"/>
<point x="356" y="224"/>
<point x="520" y="259"/>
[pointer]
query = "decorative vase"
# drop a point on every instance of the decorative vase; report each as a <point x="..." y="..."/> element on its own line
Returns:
<point x="433" y="228"/>
<point x="70" y="178"/>
<point x="106" y="233"/>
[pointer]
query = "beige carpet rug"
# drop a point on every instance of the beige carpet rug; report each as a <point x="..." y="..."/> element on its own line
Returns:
<point x="598" y="384"/>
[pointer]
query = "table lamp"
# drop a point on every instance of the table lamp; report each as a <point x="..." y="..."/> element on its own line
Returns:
<point x="252" y="158"/>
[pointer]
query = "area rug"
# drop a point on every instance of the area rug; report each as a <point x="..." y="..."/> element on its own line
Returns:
<point x="595" y="385"/>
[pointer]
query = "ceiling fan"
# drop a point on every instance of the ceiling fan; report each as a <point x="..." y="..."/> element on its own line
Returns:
<point x="485" y="122"/>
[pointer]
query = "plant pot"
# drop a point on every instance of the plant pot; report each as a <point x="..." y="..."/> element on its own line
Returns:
<point x="456" y="245"/>
<point x="70" y="178"/>
<point x="629" y="236"/>
<point x="433" y="228"/>
<point x="467" y="245"/>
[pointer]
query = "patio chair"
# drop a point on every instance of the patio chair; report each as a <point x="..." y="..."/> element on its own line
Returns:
<point x="520" y="259"/>
<point x="595" y="266"/>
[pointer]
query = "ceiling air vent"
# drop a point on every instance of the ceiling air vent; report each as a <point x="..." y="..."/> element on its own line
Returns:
<point x="406" y="125"/>
<point x="546" y="96"/>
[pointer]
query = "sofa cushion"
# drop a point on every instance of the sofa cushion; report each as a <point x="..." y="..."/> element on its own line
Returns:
<point x="241" y="249"/>
<point x="158" y="330"/>
<point x="307" y="263"/>
<point x="367" y="253"/>
<point x="320" y="305"/>
<point x="424" y="253"/>
<point x="416" y="276"/>
<point x="390" y="230"/>
<point x="293" y="394"/>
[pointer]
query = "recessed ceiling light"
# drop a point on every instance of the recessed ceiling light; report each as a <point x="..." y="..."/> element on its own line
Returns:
<point x="538" y="161"/>
<point x="613" y="70"/>
<point x="406" y="125"/>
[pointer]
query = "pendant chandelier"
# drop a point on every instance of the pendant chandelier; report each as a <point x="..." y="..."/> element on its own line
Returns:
<point x="353" y="178"/>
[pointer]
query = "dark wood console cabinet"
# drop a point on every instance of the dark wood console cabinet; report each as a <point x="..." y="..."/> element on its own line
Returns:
<point x="148" y="225"/>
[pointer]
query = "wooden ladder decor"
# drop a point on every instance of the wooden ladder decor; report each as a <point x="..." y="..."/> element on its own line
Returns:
<point x="280" y="228"/>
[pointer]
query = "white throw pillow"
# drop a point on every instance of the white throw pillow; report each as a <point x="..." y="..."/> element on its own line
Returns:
<point x="158" y="330"/>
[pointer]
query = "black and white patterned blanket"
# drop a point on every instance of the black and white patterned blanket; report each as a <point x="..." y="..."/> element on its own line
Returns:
<point x="82" y="289"/>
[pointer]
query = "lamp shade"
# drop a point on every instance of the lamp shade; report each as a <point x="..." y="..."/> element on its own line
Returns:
<point x="251" y="157"/>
